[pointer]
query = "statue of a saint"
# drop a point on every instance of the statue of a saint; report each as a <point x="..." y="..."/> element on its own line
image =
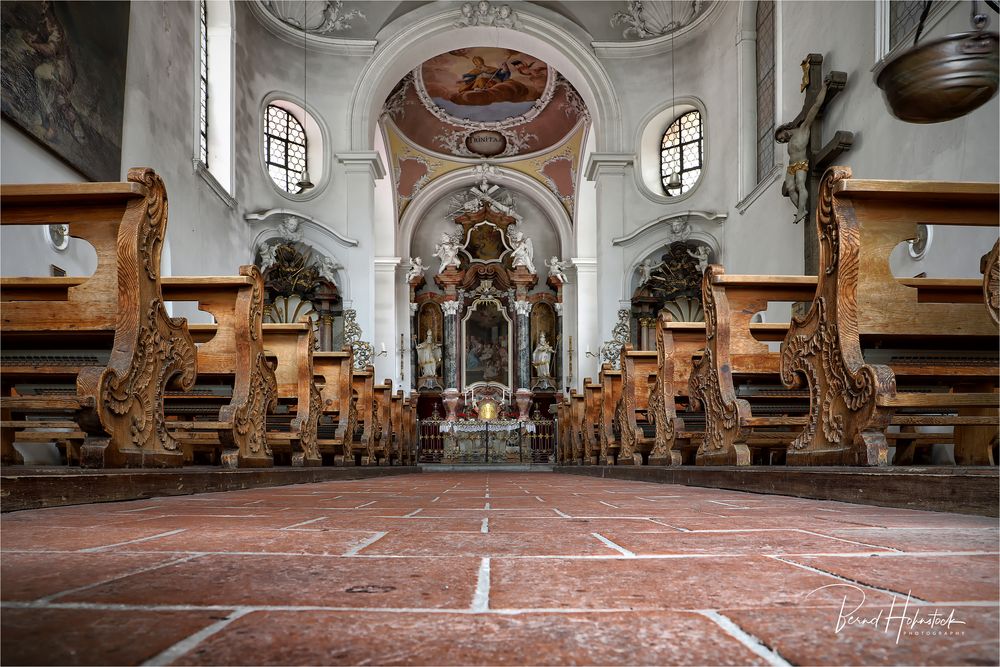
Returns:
<point x="701" y="254"/>
<point x="447" y="251"/>
<point x="796" y="185"/>
<point x="428" y="356"/>
<point x="416" y="269"/>
<point x="523" y="251"/>
<point x="541" y="358"/>
<point x="557" y="268"/>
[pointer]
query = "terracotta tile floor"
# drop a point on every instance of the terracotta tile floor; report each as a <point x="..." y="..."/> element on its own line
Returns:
<point x="496" y="568"/>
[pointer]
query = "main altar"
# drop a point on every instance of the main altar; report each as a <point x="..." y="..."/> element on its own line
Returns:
<point x="484" y="329"/>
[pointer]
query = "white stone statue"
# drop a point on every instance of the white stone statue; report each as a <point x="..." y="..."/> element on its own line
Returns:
<point x="646" y="270"/>
<point x="701" y="253"/>
<point x="289" y="227"/>
<point x="796" y="185"/>
<point x="416" y="269"/>
<point x="523" y="251"/>
<point x="557" y="269"/>
<point x="328" y="268"/>
<point x="267" y="255"/>
<point x="447" y="251"/>
<point x="428" y="356"/>
<point x="541" y="359"/>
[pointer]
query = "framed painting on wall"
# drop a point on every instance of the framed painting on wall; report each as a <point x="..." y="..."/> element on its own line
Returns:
<point x="63" y="79"/>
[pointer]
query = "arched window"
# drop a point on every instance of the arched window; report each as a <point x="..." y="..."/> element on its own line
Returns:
<point x="284" y="148"/>
<point x="765" y="88"/>
<point x="682" y="152"/>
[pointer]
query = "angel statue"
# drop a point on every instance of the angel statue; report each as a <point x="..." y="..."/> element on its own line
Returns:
<point x="557" y="269"/>
<point x="523" y="251"/>
<point x="646" y="270"/>
<point x="700" y="254"/>
<point x="328" y="269"/>
<point x="416" y="269"/>
<point x="447" y="251"/>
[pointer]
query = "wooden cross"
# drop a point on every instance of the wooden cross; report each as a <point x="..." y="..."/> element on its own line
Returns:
<point x="818" y="154"/>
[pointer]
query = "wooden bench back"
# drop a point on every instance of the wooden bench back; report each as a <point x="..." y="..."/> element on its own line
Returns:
<point x="867" y="220"/>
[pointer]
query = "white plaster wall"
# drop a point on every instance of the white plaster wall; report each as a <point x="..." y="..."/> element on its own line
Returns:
<point x="964" y="149"/>
<point x="24" y="250"/>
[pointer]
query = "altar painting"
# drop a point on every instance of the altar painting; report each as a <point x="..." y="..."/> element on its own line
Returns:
<point x="486" y="243"/>
<point x="486" y="339"/>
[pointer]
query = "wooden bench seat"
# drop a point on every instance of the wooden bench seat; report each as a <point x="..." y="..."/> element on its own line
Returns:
<point x="608" y="431"/>
<point x="737" y="379"/>
<point x="336" y="426"/>
<point x="117" y="402"/>
<point x="365" y="435"/>
<point x="678" y="429"/>
<point x="228" y="416"/>
<point x="863" y="322"/>
<point x="637" y="421"/>
<point x="292" y="428"/>
<point x="590" y="423"/>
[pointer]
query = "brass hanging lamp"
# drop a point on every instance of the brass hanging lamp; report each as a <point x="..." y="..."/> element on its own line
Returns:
<point x="944" y="78"/>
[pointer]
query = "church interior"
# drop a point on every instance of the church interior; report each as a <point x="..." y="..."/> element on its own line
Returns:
<point x="500" y="332"/>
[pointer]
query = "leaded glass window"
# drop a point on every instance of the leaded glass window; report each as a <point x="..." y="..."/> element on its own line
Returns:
<point x="285" y="148"/>
<point x="203" y="85"/>
<point x="682" y="152"/>
<point x="765" y="88"/>
<point x="904" y="15"/>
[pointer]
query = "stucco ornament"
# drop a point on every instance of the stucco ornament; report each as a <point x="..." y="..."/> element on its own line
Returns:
<point x="332" y="19"/>
<point x="328" y="268"/>
<point x="416" y="269"/>
<point x="644" y="20"/>
<point x="483" y="13"/>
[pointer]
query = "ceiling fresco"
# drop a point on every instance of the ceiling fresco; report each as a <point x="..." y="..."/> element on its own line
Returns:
<point x="485" y="103"/>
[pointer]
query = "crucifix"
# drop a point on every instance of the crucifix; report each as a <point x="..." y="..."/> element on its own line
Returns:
<point x="808" y="156"/>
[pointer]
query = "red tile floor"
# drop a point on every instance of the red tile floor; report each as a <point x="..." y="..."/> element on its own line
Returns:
<point x="496" y="568"/>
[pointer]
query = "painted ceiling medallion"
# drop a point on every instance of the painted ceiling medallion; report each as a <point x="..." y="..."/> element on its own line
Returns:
<point x="485" y="88"/>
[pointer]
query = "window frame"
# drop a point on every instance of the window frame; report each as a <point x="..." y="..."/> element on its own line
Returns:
<point x="679" y="147"/>
<point x="203" y="82"/>
<point x="288" y="118"/>
<point x="763" y="167"/>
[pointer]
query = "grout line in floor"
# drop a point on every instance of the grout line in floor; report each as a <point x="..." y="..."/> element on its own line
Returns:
<point x="755" y="645"/>
<point x="353" y="551"/>
<point x="122" y="575"/>
<point x="191" y="642"/>
<point x="106" y="547"/>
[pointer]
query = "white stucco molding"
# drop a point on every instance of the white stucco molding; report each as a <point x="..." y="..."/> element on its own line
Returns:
<point x="660" y="45"/>
<point x="429" y="30"/>
<point x="598" y="162"/>
<point x="363" y="160"/>
<point x="340" y="46"/>
<point x="310" y="221"/>
<point x="660" y="223"/>
<point x="515" y="181"/>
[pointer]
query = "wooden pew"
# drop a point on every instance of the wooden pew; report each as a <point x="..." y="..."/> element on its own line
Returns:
<point x="737" y="380"/>
<point x="292" y="429"/>
<point x="409" y="430"/>
<point x="577" y="415"/>
<point x="125" y="349"/>
<point x="382" y="422"/>
<point x="942" y="336"/>
<point x="636" y="423"/>
<point x="363" y="441"/>
<point x="678" y="434"/>
<point x="564" y="438"/>
<point x="397" y="452"/>
<point x="590" y="423"/>
<point x="608" y="433"/>
<point x="336" y="426"/>
<point x="231" y="420"/>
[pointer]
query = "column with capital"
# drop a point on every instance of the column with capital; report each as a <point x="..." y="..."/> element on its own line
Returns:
<point x="450" y="362"/>
<point x="523" y="310"/>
